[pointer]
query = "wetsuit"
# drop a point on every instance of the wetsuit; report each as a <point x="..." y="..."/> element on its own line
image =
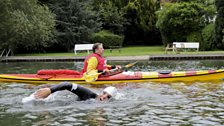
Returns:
<point x="81" y="92"/>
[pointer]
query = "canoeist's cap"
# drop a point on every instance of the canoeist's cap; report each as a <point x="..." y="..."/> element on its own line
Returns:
<point x="111" y="91"/>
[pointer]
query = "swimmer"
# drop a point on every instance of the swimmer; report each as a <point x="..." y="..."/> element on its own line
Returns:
<point x="82" y="92"/>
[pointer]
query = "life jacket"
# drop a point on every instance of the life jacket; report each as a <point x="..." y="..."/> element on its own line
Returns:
<point x="101" y="62"/>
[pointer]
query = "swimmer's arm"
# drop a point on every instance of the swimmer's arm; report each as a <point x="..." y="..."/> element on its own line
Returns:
<point x="61" y="86"/>
<point x="81" y="92"/>
<point x="45" y="92"/>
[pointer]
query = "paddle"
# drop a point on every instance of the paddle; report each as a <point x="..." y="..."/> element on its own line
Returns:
<point x="130" y="65"/>
<point x="93" y="74"/>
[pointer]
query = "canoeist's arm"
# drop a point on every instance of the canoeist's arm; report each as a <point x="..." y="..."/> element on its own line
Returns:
<point x="113" y="67"/>
<point x="92" y="64"/>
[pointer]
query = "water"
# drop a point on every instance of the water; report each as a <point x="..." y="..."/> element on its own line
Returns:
<point x="196" y="104"/>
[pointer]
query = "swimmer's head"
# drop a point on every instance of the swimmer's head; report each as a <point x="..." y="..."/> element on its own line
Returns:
<point x="108" y="93"/>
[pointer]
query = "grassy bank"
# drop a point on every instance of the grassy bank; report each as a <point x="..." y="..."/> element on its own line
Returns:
<point x="127" y="51"/>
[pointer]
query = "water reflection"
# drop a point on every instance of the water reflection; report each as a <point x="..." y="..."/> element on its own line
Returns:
<point x="32" y="67"/>
<point x="140" y="103"/>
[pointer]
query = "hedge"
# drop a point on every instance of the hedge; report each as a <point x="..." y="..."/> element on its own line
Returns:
<point x="107" y="38"/>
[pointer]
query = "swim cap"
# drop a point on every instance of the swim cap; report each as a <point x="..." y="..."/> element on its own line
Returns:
<point x="111" y="90"/>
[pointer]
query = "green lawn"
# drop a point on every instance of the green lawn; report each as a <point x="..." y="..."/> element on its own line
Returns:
<point x="126" y="51"/>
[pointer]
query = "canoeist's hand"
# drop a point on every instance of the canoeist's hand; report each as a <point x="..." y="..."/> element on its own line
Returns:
<point x="118" y="67"/>
<point x="106" y="71"/>
<point x="42" y="93"/>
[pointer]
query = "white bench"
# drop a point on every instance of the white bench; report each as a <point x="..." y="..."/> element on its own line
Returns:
<point x="83" y="47"/>
<point x="181" y="45"/>
<point x="186" y="45"/>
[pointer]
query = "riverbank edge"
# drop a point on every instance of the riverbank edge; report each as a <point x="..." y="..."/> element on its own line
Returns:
<point x="114" y="58"/>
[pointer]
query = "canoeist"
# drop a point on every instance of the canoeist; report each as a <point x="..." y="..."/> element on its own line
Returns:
<point x="96" y="61"/>
<point x="82" y="92"/>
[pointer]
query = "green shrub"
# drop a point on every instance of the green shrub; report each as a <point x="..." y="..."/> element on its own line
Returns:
<point x="208" y="37"/>
<point x="107" y="38"/>
<point x="223" y="35"/>
<point x="194" y="37"/>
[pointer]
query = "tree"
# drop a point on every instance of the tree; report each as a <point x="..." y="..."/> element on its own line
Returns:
<point x="141" y="18"/>
<point x="135" y="19"/>
<point x="209" y="6"/>
<point x="111" y="15"/>
<point x="75" y="22"/>
<point x="144" y="12"/>
<point x="177" y="20"/>
<point x="25" y="25"/>
<point x="219" y="24"/>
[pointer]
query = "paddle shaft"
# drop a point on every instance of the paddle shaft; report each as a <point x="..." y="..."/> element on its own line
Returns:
<point x="126" y="67"/>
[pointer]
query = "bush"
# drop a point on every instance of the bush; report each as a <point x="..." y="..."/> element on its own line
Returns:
<point x="107" y="38"/>
<point x="223" y="35"/>
<point x="208" y="37"/>
<point x="194" y="37"/>
<point x="205" y="37"/>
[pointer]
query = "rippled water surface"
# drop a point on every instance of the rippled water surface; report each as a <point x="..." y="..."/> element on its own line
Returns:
<point x="196" y="104"/>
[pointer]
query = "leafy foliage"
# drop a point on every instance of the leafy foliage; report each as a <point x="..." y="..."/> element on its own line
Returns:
<point x="25" y="25"/>
<point x="107" y="38"/>
<point x="223" y="36"/>
<point x="195" y="37"/>
<point x="208" y="37"/>
<point x="219" y="24"/>
<point x="177" y="20"/>
<point x="205" y="37"/>
<point x="142" y="13"/>
<point x="29" y="25"/>
<point x="141" y="18"/>
<point x="111" y="17"/>
<point x="75" y="22"/>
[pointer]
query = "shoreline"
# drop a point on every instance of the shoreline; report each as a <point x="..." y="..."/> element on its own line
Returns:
<point x="114" y="58"/>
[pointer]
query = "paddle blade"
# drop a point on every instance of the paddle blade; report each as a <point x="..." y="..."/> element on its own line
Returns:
<point x="130" y="64"/>
<point x="91" y="76"/>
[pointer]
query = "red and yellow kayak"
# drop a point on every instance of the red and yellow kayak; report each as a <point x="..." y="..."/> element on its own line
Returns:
<point x="165" y="77"/>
